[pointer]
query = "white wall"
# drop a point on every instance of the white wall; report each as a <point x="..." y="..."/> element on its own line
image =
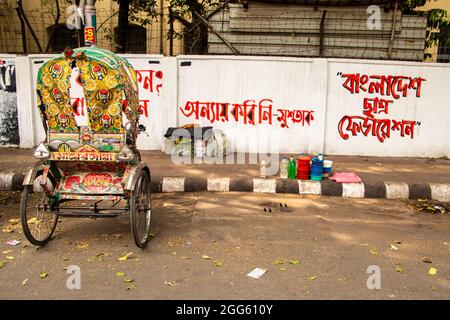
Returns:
<point x="430" y="110"/>
<point x="311" y="85"/>
<point x="234" y="80"/>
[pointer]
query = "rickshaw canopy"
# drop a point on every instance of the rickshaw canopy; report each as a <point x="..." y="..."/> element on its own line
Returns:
<point x="109" y="86"/>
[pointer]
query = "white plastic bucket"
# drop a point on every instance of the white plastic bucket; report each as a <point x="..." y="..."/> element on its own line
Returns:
<point x="327" y="163"/>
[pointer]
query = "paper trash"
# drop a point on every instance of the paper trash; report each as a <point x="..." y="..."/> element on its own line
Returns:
<point x="256" y="273"/>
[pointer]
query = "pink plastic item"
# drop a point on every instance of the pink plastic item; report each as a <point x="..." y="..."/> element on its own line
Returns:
<point x="345" y="177"/>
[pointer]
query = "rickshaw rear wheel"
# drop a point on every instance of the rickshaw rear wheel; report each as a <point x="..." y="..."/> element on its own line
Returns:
<point x="141" y="210"/>
<point x="38" y="223"/>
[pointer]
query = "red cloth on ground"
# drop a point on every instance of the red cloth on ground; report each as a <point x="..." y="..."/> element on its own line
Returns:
<point x="345" y="177"/>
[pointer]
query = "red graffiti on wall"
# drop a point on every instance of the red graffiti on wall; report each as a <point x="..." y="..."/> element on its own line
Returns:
<point x="150" y="80"/>
<point x="143" y="106"/>
<point x="387" y="86"/>
<point x="250" y="112"/>
<point x="380" y="128"/>
<point x="394" y="86"/>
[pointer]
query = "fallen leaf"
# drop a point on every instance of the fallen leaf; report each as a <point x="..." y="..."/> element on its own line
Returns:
<point x="283" y="269"/>
<point x="10" y="257"/>
<point x="432" y="271"/>
<point x="314" y="277"/>
<point x="294" y="261"/>
<point x="65" y="258"/>
<point x="100" y="256"/>
<point x="277" y="262"/>
<point x="152" y="235"/>
<point x="43" y="275"/>
<point x="14" y="221"/>
<point x="174" y="253"/>
<point x="24" y="282"/>
<point x="427" y="260"/>
<point x="218" y="263"/>
<point x="396" y="242"/>
<point x="206" y="256"/>
<point x="125" y="257"/>
<point x="185" y="257"/>
<point x="2" y="264"/>
<point x="7" y="230"/>
<point x="82" y="245"/>
<point x="32" y="220"/>
<point x="398" y="268"/>
<point x="128" y="280"/>
<point x="374" y="251"/>
<point x="394" y="247"/>
<point x="120" y="274"/>
<point x="7" y="251"/>
<point x="169" y="283"/>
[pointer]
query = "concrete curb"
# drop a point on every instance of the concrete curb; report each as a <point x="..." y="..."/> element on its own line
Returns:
<point x="10" y="181"/>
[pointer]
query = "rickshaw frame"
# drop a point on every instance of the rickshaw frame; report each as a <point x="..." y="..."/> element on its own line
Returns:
<point x="106" y="148"/>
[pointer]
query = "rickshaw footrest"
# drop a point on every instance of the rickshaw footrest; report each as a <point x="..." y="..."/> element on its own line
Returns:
<point x="86" y="214"/>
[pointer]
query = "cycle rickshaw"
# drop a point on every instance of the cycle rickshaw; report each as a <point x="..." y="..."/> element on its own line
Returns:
<point x="92" y="170"/>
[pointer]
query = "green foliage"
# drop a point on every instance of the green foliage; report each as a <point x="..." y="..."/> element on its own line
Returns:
<point x="408" y="6"/>
<point x="438" y="22"/>
<point x="142" y="12"/>
<point x="185" y="8"/>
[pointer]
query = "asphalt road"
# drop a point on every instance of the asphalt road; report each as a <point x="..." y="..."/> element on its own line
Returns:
<point x="204" y="245"/>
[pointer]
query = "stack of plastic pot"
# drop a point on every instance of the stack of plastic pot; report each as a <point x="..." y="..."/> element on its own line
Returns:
<point x="303" y="168"/>
<point x="316" y="169"/>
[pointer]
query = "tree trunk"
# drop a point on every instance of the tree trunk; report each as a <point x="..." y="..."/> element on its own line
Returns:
<point x="196" y="41"/>
<point x="55" y="26"/>
<point x="124" y="8"/>
<point x="25" y="19"/>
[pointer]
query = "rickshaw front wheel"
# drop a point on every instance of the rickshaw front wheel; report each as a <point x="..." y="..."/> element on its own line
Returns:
<point x="140" y="205"/>
<point x="38" y="223"/>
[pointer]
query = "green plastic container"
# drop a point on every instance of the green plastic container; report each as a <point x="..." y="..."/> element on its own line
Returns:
<point x="292" y="168"/>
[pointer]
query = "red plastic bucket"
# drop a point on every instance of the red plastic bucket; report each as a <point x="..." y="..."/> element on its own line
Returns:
<point x="303" y="168"/>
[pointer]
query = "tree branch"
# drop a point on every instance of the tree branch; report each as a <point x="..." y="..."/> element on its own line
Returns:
<point x="186" y="23"/>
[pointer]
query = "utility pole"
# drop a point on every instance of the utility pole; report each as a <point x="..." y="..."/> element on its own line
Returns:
<point x="90" y="22"/>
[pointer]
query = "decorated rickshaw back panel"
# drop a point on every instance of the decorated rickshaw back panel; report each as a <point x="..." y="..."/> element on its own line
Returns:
<point x="91" y="183"/>
<point x="109" y="86"/>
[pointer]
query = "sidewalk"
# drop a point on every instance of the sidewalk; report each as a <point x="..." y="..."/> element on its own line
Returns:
<point x="411" y="177"/>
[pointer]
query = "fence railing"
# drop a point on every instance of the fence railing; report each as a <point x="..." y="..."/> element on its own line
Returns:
<point x="233" y="30"/>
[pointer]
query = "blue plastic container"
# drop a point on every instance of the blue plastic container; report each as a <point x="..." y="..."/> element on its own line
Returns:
<point x="316" y="171"/>
<point x="326" y="170"/>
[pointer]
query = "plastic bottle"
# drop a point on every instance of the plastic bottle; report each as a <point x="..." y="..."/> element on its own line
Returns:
<point x="292" y="168"/>
<point x="263" y="169"/>
<point x="284" y="168"/>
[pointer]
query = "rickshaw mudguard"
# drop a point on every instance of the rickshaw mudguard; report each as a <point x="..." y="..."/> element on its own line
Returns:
<point x="131" y="175"/>
<point x="38" y="166"/>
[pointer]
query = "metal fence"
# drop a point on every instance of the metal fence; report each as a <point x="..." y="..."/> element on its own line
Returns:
<point x="443" y="54"/>
<point x="40" y="31"/>
<point x="260" y="29"/>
